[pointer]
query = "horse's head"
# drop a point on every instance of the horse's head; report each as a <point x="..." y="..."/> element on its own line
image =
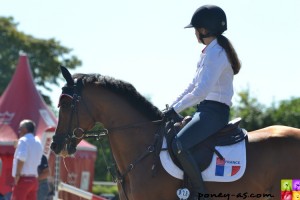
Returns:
<point x="87" y="100"/>
<point x="72" y="111"/>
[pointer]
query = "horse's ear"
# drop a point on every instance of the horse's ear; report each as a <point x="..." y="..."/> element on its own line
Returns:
<point x="66" y="74"/>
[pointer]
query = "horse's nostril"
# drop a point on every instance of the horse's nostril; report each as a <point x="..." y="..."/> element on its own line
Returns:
<point x="54" y="147"/>
<point x="71" y="149"/>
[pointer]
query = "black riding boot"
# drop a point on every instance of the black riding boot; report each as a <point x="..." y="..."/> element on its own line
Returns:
<point x="192" y="170"/>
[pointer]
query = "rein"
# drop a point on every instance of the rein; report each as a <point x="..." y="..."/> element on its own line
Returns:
<point x="103" y="132"/>
<point x="74" y="94"/>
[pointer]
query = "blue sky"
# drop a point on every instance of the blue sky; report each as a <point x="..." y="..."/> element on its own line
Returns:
<point x="144" y="42"/>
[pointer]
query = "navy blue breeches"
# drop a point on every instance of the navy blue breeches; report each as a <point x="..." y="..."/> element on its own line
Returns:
<point x="210" y="117"/>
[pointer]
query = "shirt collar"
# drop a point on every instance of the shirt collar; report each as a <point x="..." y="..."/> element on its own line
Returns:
<point x="27" y="135"/>
<point x="210" y="46"/>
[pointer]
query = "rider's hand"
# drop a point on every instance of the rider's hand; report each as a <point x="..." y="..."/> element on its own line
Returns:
<point x="171" y="114"/>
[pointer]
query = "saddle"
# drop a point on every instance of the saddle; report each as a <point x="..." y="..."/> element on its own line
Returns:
<point x="203" y="152"/>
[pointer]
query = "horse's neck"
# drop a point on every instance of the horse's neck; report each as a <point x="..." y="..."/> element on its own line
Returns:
<point x="114" y="111"/>
<point x="129" y="145"/>
<point x="120" y="120"/>
<point x="130" y="132"/>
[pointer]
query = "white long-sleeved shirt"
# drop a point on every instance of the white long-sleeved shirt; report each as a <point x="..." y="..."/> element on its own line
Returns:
<point x="213" y="80"/>
<point x="30" y="151"/>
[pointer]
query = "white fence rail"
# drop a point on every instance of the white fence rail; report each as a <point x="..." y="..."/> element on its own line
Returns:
<point x="81" y="193"/>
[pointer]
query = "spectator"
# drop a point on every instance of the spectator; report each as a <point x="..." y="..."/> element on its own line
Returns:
<point x="44" y="172"/>
<point x="27" y="158"/>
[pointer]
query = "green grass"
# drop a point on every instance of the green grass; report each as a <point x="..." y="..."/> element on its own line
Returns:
<point x="104" y="189"/>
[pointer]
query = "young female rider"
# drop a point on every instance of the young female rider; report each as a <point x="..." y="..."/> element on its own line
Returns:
<point x="211" y="88"/>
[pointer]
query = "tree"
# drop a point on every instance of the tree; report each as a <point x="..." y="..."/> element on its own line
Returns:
<point x="250" y="110"/>
<point x="45" y="56"/>
<point x="189" y="111"/>
<point x="103" y="166"/>
<point x="256" y="115"/>
<point x="286" y="113"/>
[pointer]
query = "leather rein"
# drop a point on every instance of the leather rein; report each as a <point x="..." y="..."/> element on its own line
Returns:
<point x="74" y="92"/>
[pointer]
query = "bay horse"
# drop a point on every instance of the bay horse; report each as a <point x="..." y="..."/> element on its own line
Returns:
<point x="131" y="121"/>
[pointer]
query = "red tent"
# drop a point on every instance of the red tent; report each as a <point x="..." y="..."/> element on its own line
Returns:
<point x="21" y="100"/>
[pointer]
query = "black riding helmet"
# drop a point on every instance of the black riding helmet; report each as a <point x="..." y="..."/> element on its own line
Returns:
<point x="210" y="17"/>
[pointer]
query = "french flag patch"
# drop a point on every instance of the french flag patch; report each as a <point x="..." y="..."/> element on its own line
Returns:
<point x="226" y="168"/>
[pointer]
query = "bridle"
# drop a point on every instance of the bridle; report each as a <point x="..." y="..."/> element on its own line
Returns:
<point x="70" y="139"/>
<point x="74" y="92"/>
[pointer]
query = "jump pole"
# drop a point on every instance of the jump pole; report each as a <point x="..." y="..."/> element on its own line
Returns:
<point x="76" y="191"/>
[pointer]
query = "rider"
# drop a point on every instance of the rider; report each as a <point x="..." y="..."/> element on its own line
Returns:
<point x="211" y="88"/>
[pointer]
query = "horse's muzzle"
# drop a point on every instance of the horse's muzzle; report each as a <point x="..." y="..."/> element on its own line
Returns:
<point x="59" y="142"/>
<point x="66" y="149"/>
<point x="55" y="147"/>
<point x="66" y="145"/>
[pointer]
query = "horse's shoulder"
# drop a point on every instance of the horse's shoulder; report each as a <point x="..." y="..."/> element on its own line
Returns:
<point x="275" y="131"/>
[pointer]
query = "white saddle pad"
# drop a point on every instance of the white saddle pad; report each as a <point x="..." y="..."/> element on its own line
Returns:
<point x="228" y="170"/>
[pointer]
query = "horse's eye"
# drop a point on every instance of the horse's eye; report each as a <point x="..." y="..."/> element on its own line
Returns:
<point x="65" y="102"/>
